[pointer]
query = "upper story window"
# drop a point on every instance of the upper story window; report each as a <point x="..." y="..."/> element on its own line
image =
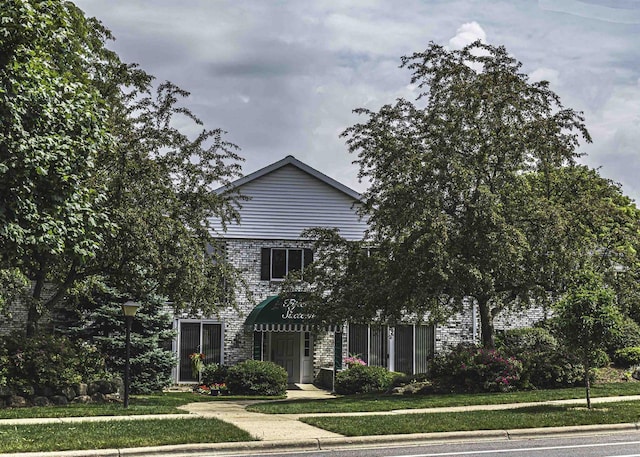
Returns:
<point x="276" y="263"/>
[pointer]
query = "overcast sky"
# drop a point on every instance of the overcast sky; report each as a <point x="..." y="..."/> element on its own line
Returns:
<point x="282" y="77"/>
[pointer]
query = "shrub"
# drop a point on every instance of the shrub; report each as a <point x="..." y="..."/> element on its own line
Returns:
<point x="629" y="336"/>
<point x="214" y="374"/>
<point x="50" y="362"/>
<point x="363" y="379"/>
<point x="627" y="357"/>
<point x="253" y="377"/>
<point x="471" y="369"/>
<point x="545" y="364"/>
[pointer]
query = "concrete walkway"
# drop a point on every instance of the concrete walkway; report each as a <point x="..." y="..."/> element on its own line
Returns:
<point x="265" y="427"/>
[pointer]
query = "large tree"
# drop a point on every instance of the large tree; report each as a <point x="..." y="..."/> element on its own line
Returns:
<point x="95" y="177"/>
<point x="460" y="204"/>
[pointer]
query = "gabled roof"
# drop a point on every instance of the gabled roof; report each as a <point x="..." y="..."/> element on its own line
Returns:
<point x="290" y="160"/>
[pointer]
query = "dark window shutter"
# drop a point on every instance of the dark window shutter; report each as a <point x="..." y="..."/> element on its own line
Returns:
<point x="265" y="264"/>
<point x="308" y="257"/>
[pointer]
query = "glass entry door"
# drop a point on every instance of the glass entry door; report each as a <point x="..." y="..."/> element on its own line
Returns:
<point x="198" y="337"/>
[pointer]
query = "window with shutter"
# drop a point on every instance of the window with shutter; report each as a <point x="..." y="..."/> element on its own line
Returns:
<point x="276" y="263"/>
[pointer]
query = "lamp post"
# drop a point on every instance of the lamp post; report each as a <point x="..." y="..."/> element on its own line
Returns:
<point x="129" y="309"/>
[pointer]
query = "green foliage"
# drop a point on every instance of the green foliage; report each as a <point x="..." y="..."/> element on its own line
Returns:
<point x="471" y="369"/>
<point x="545" y="363"/>
<point x="49" y="362"/>
<point x="627" y="357"/>
<point x="461" y="202"/>
<point x="95" y="177"/>
<point x="587" y="319"/>
<point x="97" y="317"/>
<point x="363" y="379"/>
<point x="214" y="373"/>
<point x="254" y="377"/>
<point x="13" y="285"/>
<point x="628" y="336"/>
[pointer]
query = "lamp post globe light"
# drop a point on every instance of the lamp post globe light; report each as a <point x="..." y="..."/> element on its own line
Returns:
<point x="129" y="309"/>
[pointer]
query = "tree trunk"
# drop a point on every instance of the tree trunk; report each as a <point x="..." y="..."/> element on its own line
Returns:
<point x="587" y="381"/>
<point x="486" y="323"/>
<point x="33" y="313"/>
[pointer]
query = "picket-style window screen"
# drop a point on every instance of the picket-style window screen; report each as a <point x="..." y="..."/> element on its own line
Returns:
<point x="413" y="346"/>
<point x="198" y="337"/>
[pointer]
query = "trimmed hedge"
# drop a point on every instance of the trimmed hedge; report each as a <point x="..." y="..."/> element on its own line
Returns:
<point x="363" y="379"/>
<point x="253" y="377"/>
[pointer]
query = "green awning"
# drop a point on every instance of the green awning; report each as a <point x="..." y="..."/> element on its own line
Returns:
<point x="277" y="314"/>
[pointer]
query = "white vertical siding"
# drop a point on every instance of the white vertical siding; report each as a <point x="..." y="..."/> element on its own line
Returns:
<point x="288" y="200"/>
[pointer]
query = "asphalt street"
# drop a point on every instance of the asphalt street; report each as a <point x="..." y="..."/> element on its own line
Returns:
<point x="625" y="444"/>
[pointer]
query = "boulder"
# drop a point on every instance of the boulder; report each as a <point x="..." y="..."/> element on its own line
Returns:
<point x="82" y="399"/>
<point x="112" y="398"/>
<point x="59" y="400"/>
<point x="17" y="401"/>
<point x="69" y="392"/>
<point x="101" y="386"/>
<point x="98" y="397"/>
<point x="81" y="389"/>
<point x="41" y="401"/>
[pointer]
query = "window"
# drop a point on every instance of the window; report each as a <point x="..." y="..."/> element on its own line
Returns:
<point x="276" y="263"/>
<point x="403" y="348"/>
<point x="198" y="336"/>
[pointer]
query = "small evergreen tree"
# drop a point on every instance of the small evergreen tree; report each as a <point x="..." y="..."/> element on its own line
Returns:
<point x="97" y="317"/>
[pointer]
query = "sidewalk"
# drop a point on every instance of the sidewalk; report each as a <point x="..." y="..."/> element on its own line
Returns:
<point x="284" y="432"/>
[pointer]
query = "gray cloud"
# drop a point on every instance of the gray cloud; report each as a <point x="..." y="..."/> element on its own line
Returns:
<point x="283" y="77"/>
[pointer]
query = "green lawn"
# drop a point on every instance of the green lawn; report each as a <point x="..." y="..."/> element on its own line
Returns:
<point x="363" y="403"/>
<point x="527" y="417"/>
<point x="117" y="434"/>
<point x="161" y="403"/>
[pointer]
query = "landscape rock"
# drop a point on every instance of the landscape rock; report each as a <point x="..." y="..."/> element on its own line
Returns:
<point x="112" y="398"/>
<point x="17" y="401"/>
<point x="98" y="397"/>
<point x="59" y="400"/>
<point x="82" y="399"/>
<point x="81" y="389"/>
<point x="41" y="401"/>
<point x="69" y="392"/>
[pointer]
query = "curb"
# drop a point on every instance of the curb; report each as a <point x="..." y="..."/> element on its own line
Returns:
<point x="340" y="442"/>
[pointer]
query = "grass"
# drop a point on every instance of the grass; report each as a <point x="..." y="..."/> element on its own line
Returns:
<point x="366" y="403"/>
<point x="161" y="403"/>
<point x="527" y="417"/>
<point x="116" y="434"/>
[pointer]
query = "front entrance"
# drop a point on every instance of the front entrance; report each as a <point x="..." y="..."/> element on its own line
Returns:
<point x="285" y="351"/>
<point x="291" y="350"/>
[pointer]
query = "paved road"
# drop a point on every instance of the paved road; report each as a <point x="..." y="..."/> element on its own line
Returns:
<point x="617" y="445"/>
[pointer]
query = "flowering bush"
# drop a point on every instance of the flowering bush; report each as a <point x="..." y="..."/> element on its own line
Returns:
<point x="211" y="389"/>
<point x="197" y="363"/>
<point x="472" y="369"/>
<point x="353" y="360"/>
